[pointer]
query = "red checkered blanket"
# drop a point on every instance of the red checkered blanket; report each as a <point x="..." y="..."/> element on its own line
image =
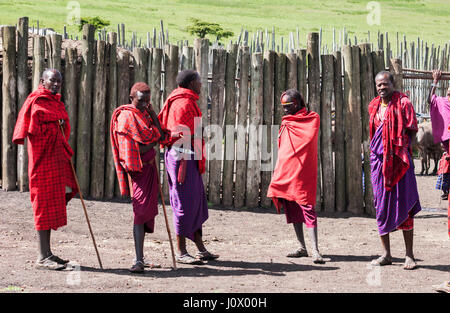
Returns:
<point x="49" y="156"/>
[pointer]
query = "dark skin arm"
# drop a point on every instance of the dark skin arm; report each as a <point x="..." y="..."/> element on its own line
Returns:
<point x="436" y="76"/>
<point x="144" y="148"/>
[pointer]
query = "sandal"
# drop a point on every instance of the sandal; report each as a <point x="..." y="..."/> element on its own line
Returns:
<point x="297" y="253"/>
<point x="58" y="259"/>
<point x="138" y="267"/>
<point x="381" y="261"/>
<point x="188" y="259"/>
<point x="150" y="264"/>
<point x="49" y="264"/>
<point x="206" y="256"/>
<point x="318" y="259"/>
<point x="444" y="287"/>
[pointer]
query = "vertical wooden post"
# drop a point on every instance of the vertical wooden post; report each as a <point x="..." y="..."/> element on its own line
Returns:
<point x="111" y="105"/>
<point x="291" y="71"/>
<point x="140" y="57"/>
<point x="123" y="86"/>
<point x="353" y="131"/>
<point x="171" y="69"/>
<point x="53" y="42"/>
<point x="327" y="97"/>
<point x="38" y="60"/>
<point x="395" y="68"/>
<point x="84" y="126"/>
<point x="154" y="78"/>
<point x="219" y="62"/>
<point x="230" y="122"/>
<point x="70" y="93"/>
<point x="98" y="120"/>
<point x="301" y="73"/>
<point x="339" y="139"/>
<point x="313" y="54"/>
<point x="23" y="89"/>
<point x="254" y="143"/>
<point x="280" y="85"/>
<point x="378" y="61"/>
<point x="268" y="163"/>
<point x="201" y="50"/>
<point x="241" y="142"/>
<point x="9" y="109"/>
<point x="187" y="58"/>
<point x="367" y="94"/>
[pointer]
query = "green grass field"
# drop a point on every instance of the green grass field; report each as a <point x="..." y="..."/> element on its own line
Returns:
<point x="427" y="19"/>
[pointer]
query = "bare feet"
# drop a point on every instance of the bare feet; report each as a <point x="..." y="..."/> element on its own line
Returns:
<point x="410" y="263"/>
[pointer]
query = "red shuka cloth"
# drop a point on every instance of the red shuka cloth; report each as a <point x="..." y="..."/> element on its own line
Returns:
<point x="129" y="128"/>
<point x="444" y="164"/>
<point x="49" y="154"/>
<point x="399" y="118"/>
<point x="295" y="174"/>
<point x="180" y="109"/>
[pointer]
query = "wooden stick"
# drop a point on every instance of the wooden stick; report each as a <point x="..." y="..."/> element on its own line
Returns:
<point x="421" y="71"/>
<point x="167" y="222"/>
<point x="84" y="207"/>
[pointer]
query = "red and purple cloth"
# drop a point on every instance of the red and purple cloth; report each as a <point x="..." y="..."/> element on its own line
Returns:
<point x="186" y="190"/>
<point x="178" y="113"/>
<point x="396" y="207"/>
<point x="400" y="118"/>
<point x="49" y="154"/>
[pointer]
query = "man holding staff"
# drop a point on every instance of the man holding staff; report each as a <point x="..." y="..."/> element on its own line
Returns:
<point x="294" y="181"/>
<point x="185" y="166"/>
<point x="135" y="130"/>
<point x="392" y="124"/>
<point x="51" y="180"/>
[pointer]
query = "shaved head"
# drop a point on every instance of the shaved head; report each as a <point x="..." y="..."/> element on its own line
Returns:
<point x="382" y="74"/>
<point x="50" y="71"/>
<point x="51" y="80"/>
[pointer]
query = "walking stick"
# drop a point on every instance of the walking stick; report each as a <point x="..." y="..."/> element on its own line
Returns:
<point x="82" y="202"/>
<point x="165" y="217"/>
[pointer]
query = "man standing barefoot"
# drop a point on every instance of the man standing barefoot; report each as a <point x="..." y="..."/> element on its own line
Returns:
<point x="392" y="124"/>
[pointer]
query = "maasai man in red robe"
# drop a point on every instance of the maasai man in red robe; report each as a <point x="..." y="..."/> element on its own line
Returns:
<point x="51" y="179"/>
<point x="294" y="181"/>
<point x="135" y="130"/>
<point x="185" y="163"/>
<point x="392" y="123"/>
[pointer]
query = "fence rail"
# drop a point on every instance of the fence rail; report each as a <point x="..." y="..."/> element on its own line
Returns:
<point x="241" y="89"/>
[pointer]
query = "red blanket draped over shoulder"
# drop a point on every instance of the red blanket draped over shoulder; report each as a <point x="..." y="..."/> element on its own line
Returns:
<point x="180" y="109"/>
<point x="129" y="128"/>
<point x="49" y="154"/>
<point x="400" y="118"/>
<point x="295" y="174"/>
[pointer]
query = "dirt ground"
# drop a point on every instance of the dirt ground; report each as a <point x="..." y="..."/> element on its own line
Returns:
<point x="252" y="246"/>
